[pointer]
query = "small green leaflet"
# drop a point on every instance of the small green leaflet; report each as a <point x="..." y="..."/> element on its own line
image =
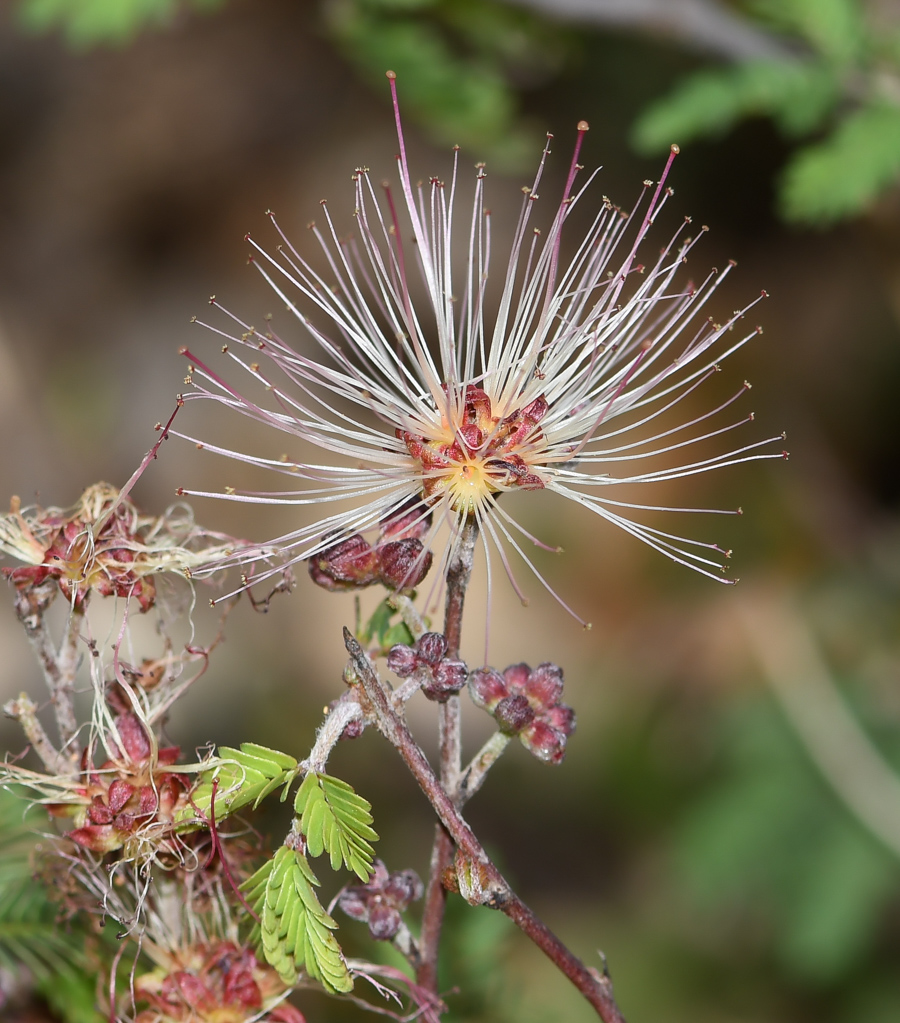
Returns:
<point x="294" y="929"/>
<point x="244" y="776"/>
<point x="336" y="820"/>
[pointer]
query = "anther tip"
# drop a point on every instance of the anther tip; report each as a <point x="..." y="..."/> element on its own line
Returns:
<point x="674" y="149"/>
<point x="583" y="126"/>
<point x="392" y="75"/>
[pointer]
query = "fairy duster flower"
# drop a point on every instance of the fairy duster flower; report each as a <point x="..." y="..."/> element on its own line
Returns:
<point x="434" y="395"/>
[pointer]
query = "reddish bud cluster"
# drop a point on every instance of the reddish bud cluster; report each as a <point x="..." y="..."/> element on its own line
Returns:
<point x="218" y="983"/>
<point x="380" y="902"/>
<point x="525" y="702"/>
<point x="443" y="676"/>
<point x="127" y="793"/>
<point x="398" y="560"/>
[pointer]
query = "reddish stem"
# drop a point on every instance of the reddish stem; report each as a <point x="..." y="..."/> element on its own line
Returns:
<point x="458" y="576"/>
<point x="493" y="889"/>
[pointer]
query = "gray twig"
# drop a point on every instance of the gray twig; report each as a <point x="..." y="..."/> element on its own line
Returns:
<point x="703" y="25"/>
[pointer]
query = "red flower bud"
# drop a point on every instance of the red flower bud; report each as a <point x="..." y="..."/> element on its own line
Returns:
<point x="544" y="686"/>
<point x="402" y="660"/>
<point x="410" y="520"/>
<point x="544" y="742"/>
<point x="513" y="714"/>
<point x="384" y="921"/>
<point x="487" y="688"/>
<point x="516" y="677"/>
<point x="347" y="565"/>
<point x="446" y="680"/>
<point x="431" y="647"/>
<point x="403" y="564"/>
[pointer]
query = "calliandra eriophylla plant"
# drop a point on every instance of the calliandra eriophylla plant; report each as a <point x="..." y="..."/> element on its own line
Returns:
<point x="428" y="411"/>
<point x="435" y="409"/>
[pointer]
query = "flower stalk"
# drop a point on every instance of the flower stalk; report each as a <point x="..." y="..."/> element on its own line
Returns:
<point x="484" y="884"/>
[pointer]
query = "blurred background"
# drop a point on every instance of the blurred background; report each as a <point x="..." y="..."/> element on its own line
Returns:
<point x="726" y="826"/>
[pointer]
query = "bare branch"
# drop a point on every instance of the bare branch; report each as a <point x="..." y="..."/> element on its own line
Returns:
<point x="24" y="710"/>
<point x="480" y="882"/>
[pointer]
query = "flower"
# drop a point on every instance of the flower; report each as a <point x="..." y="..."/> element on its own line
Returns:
<point x="438" y="407"/>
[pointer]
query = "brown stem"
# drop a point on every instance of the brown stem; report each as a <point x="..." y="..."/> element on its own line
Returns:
<point x="31" y="603"/>
<point x="67" y="661"/>
<point x="479" y="880"/>
<point x="24" y="710"/>
<point x="450" y="737"/>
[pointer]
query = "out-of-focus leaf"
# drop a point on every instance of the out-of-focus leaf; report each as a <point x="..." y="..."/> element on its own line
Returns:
<point x="773" y="844"/>
<point x="798" y="95"/>
<point x="457" y="92"/>
<point x="842" y="175"/>
<point x="839" y="902"/>
<point x="30" y="935"/>
<point x="833" y="27"/>
<point x="89" y="22"/>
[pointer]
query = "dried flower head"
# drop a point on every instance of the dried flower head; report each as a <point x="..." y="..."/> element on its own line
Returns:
<point x="105" y="545"/>
<point x="439" y="406"/>
<point x="214" y="983"/>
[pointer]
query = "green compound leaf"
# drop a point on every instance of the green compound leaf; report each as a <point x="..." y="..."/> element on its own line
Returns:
<point x="842" y="175"/>
<point x="336" y="820"/>
<point x="242" y="777"/>
<point x="294" y="930"/>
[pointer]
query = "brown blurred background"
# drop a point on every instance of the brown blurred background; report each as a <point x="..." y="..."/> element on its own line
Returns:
<point x="693" y="832"/>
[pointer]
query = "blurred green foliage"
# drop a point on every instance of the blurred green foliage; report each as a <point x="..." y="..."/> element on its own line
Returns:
<point x="771" y="843"/>
<point x="457" y="60"/>
<point x="31" y="938"/>
<point x="463" y="64"/>
<point x="89" y="22"/>
<point x="840" y="84"/>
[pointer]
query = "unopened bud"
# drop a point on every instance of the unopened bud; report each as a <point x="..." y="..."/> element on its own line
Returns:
<point x="403" y="887"/>
<point x="446" y="680"/>
<point x="410" y="520"/>
<point x="545" y="685"/>
<point x="513" y="714"/>
<point x="403" y="564"/>
<point x="402" y="660"/>
<point x="431" y="647"/>
<point x="350" y="564"/>
<point x="562" y="718"/>
<point x="487" y="688"/>
<point x="384" y="920"/>
<point x="544" y="742"/>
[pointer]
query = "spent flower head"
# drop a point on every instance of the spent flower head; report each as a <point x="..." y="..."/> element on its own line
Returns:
<point x="562" y="376"/>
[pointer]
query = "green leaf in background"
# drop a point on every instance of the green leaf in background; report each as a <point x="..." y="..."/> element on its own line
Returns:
<point x="844" y="174"/>
<point x="835" y="28"/>
<point x="294" y="929"/>
<point x="798" y="95"/>
<point x="89" y="22"/>
<point x="30" y="935"/>
<point x="449" y="68"/>
<point x="336" y="820"/>
<point x="775" y="846"/>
